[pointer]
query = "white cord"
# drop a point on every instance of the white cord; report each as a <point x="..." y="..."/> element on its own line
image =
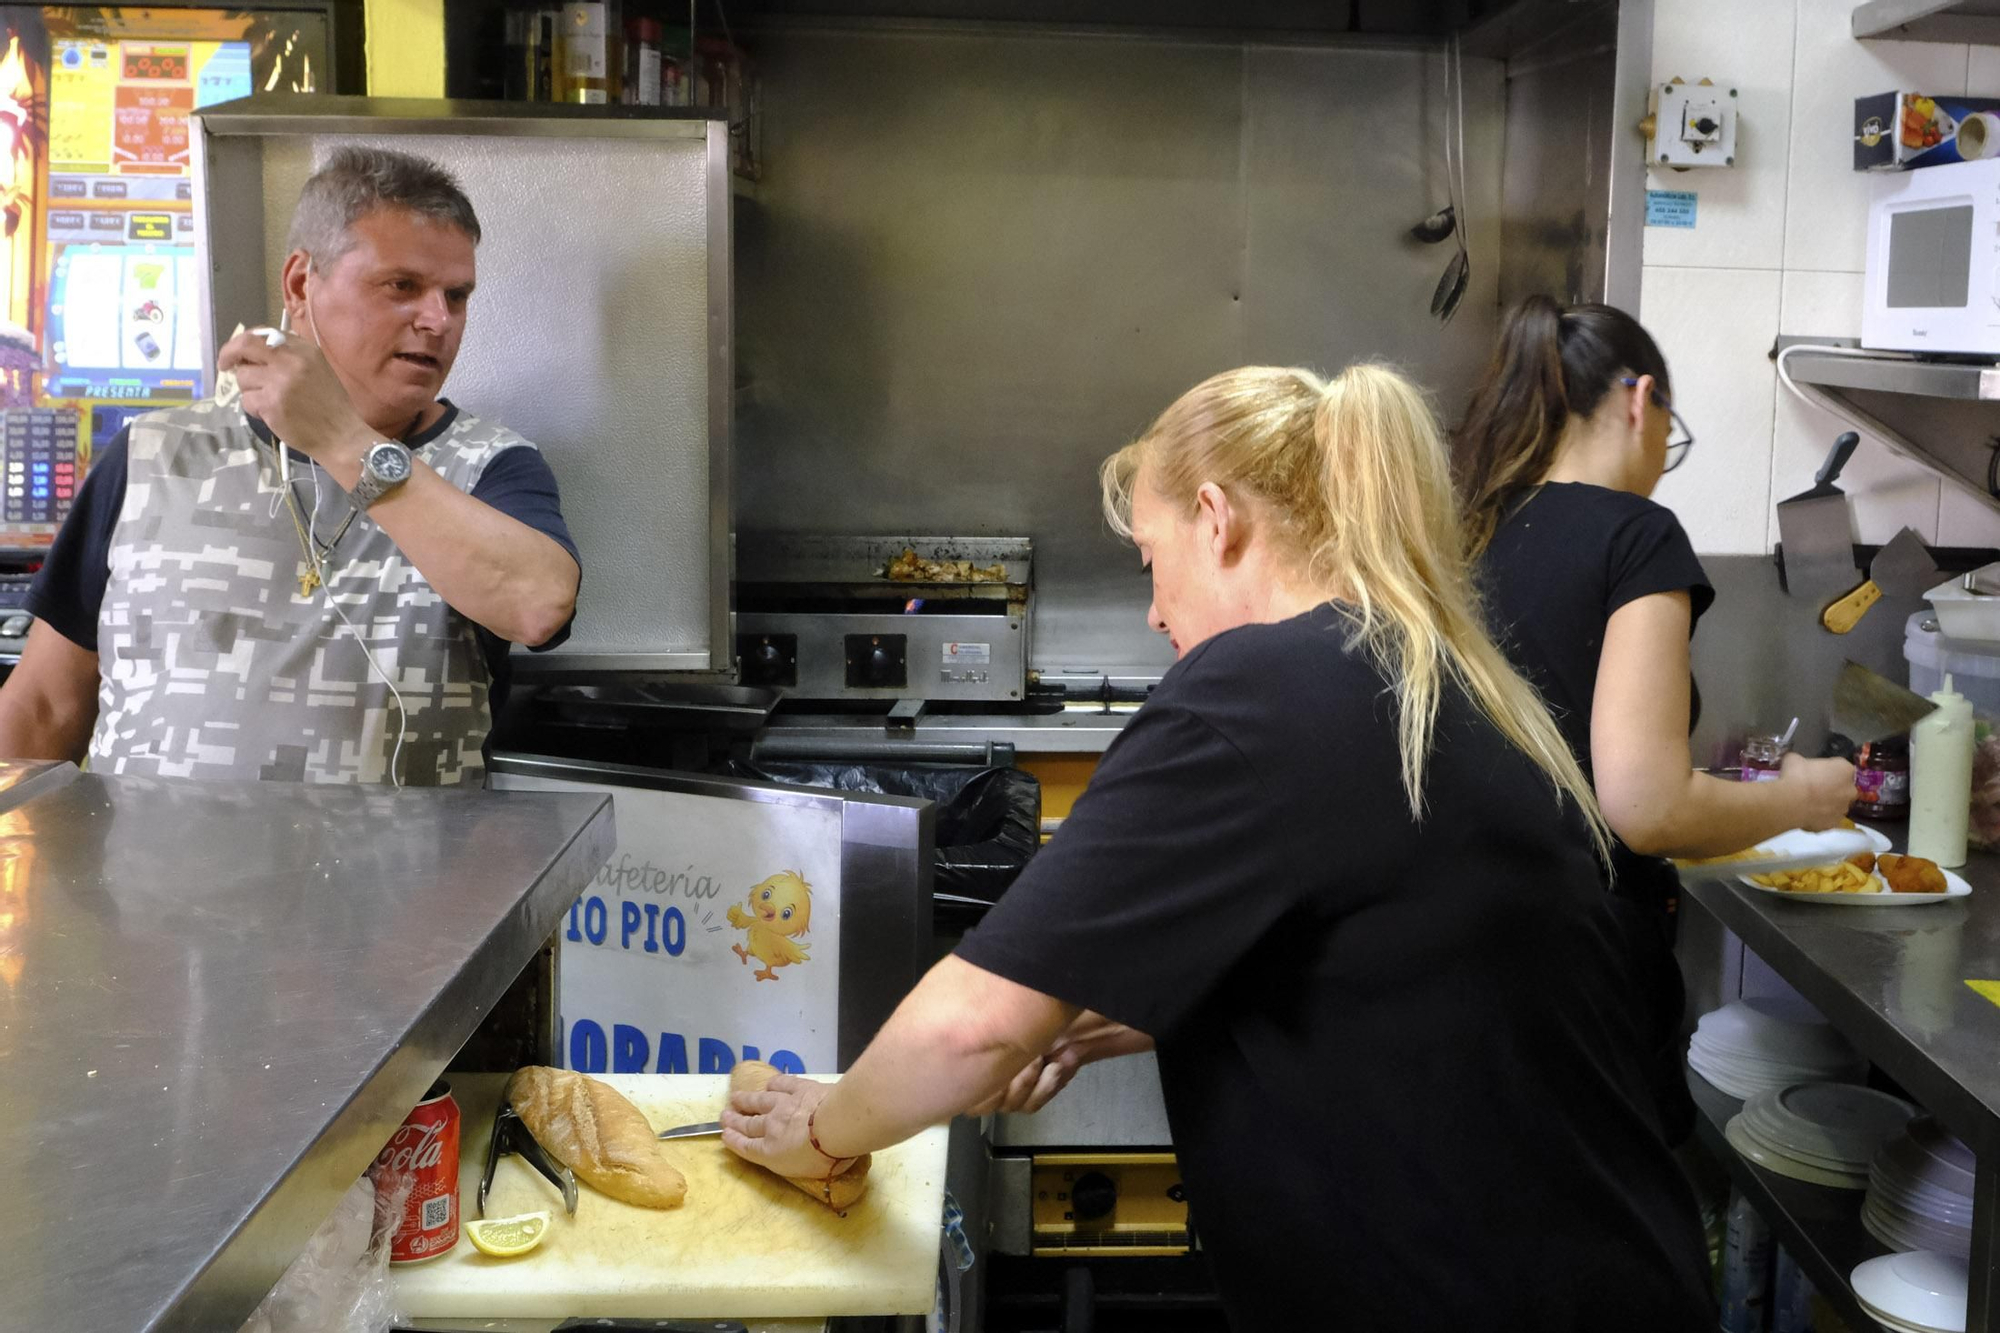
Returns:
<point x="1827" y="401"/>
<point x="326" y="582"/>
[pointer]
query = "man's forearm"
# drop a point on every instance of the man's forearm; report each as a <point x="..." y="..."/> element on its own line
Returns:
<point x="494" y="570"/>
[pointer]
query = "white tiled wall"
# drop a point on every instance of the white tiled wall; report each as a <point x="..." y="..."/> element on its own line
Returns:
<point x="1777" y="247"/>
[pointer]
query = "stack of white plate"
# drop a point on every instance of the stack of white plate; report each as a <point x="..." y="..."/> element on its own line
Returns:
<point x="1919" y="1292"/>
<point x="1752" y="1046"/>
<point x="1825" y="1133"/>
<point x="1920" y="1191"/>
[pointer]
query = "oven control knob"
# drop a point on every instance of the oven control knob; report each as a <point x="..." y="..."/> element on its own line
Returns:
<point x="1093" y="1195"/>
<point x="879" y="666"/>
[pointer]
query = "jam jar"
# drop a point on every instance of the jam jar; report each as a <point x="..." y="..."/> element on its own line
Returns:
<point x="1882" y="780"/>
<point x="1762" y="757"/>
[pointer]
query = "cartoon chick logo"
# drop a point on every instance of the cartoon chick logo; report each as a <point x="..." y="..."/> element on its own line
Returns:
<point x="780" y="907"/>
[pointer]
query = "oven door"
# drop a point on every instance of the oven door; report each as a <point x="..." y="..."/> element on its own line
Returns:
<point x="1933" y="265"/>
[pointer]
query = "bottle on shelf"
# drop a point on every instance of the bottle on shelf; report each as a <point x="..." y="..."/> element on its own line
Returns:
<point x="591" y="68"/>
<point x="1941" y="778"/>
<point x="642" y="62"/>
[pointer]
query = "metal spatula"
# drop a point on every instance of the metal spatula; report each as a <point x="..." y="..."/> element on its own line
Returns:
<point x="1903" y="568"/>
<point x="1871" y="707"/>
<point x="1816" y="531"/>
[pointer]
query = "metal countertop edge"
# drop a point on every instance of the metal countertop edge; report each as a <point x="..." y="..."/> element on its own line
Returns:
<point x="1869" y="1029"/>
<point x="246" y="1264"/>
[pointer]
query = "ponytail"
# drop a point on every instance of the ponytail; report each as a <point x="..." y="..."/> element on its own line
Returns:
<point x="1552" y="366"/>
<point x="1354" y="477"/>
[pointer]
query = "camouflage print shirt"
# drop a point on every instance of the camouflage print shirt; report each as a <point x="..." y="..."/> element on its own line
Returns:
<point x="214" y="663"/>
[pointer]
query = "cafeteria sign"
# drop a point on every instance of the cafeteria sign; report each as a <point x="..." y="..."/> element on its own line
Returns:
<point x="712" y="935"/>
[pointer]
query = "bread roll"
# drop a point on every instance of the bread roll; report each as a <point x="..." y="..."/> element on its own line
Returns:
<point x="596" y="1133"/>
<point x="836" y="1192"/>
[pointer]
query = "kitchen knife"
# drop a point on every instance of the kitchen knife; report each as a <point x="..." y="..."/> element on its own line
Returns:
<point x="1817" y="534"/>
<point x="1903" y="568"/>
<point x="704" y="1130"/>
<point x="1871" y="707"/>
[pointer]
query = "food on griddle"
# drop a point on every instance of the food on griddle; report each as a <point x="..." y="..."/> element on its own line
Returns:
<point x="588" y="1127"/>
<point x="1911" y="874"/>
<point x="909" y="567"/>
<point x="836" y="1192"/>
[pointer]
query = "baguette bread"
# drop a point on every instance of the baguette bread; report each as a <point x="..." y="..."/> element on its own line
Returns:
<point x="592" y="1130"/>
<point x="836" y="1192"/>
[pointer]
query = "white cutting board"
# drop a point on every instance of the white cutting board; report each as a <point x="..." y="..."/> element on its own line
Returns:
<point x="743" y="1245"/>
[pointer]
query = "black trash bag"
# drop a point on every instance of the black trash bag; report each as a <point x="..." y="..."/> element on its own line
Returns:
<point x="989" y="820"/>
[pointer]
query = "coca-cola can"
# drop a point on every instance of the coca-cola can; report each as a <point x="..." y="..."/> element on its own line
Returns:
<point x="425" y="1149"/>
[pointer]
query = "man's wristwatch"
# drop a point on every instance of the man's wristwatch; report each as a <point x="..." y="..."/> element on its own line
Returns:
<point x="383" y="468"/>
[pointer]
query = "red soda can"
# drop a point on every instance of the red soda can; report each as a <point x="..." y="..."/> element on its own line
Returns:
<point x="426" y="1150"/>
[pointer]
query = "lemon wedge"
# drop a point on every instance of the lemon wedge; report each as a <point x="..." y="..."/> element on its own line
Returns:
<point x="506" y="1237"/>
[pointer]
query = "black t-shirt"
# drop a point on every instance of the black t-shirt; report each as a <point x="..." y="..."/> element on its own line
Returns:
<point x="1398" y="1090"/>
<point x="69" y="591"/>
<point x="1556" y="569"/>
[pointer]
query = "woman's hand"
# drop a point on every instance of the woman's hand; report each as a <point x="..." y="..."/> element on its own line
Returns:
<point x="770" y="1128"/>
<point x="1035" y="1086"/>
<point x="1821" y="788"/>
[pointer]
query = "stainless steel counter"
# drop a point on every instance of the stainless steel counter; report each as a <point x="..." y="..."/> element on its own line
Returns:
<point x="1893" y="979"/>
<point x="218" y="1000"/>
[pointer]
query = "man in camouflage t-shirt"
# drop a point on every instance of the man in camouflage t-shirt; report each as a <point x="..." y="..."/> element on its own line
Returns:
<point x="332" y="608"/>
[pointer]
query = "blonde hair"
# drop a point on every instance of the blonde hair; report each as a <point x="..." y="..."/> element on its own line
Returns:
<point x="1353" y="475"/>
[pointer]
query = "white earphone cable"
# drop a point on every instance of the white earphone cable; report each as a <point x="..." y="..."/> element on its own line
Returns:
<point x="318" y="560"/>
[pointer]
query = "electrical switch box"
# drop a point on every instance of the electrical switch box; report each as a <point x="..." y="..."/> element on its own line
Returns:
<point x="1695" y="126"/>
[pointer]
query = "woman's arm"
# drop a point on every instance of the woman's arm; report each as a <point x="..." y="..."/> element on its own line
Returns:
<point x="1092" y="1037"/>
<point x="1650" y="793"/>
<point x="955" y="1041"/>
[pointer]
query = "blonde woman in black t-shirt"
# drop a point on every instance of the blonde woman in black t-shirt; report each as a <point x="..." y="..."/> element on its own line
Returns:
<point x="1338" y="873"/>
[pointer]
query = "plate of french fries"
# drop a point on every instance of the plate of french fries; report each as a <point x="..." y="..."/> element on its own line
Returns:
<point x="1866" y="879"/>
<point x="1794" y="849"/>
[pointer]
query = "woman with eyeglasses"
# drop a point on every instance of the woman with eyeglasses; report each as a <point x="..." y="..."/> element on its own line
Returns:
<point x="1593" y="590"/>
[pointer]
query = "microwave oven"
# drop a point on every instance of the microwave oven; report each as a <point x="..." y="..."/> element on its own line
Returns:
<point x="1933" y="266"/>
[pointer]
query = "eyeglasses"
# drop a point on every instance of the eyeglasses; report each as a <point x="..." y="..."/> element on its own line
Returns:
<point x="1681" y="439"/>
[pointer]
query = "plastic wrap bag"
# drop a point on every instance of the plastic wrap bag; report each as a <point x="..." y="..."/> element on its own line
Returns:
<point x="989" y="820"/>
<point x="1983" y="824"/>
<point x="340" y="1281"/>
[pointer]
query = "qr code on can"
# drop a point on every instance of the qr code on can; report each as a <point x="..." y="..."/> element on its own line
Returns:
<point x="437" y="1213"/>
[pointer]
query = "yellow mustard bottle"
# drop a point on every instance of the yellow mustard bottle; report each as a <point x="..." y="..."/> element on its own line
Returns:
<point x="1941" y="778"/>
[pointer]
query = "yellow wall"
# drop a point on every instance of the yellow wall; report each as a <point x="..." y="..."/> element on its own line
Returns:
<point x="405" y="47"/>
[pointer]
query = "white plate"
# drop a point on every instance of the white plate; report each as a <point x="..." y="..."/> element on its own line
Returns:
<point x="1921" y="1288"/>
<point x="1955" y="887"/>
<point x="1794" y="849"/>
<point x="1745" y="1142"/>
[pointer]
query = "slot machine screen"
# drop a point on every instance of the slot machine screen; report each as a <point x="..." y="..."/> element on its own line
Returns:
<point x="99" y="301"/>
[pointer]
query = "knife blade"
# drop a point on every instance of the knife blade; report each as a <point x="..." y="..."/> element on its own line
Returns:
<point x="704" y="1130"/>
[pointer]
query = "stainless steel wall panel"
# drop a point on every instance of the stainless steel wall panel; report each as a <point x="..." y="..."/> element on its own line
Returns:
<point x="980" y="261"/>
<point x="1345" y="149"/>
<point x="1564" y="126"/>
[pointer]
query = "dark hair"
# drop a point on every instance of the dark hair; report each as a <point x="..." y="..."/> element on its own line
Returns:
<point x="1553" y="364"/>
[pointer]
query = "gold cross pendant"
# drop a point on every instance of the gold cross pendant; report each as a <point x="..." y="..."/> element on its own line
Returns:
<point x="308" y="581"/>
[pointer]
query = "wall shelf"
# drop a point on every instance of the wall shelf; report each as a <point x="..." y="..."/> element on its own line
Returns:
<point x="1974" y="21"/>
<point x="1818" y="1226"/>
<point x="1942" y="414"/>
<point x="1894" y="374"/>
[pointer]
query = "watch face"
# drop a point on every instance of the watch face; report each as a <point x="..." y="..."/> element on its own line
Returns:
<point x="389" y="463"/>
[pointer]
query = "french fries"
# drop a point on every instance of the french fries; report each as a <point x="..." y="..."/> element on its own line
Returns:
<point x="1846" y="877"/>
<point x="1863" y="872"/>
